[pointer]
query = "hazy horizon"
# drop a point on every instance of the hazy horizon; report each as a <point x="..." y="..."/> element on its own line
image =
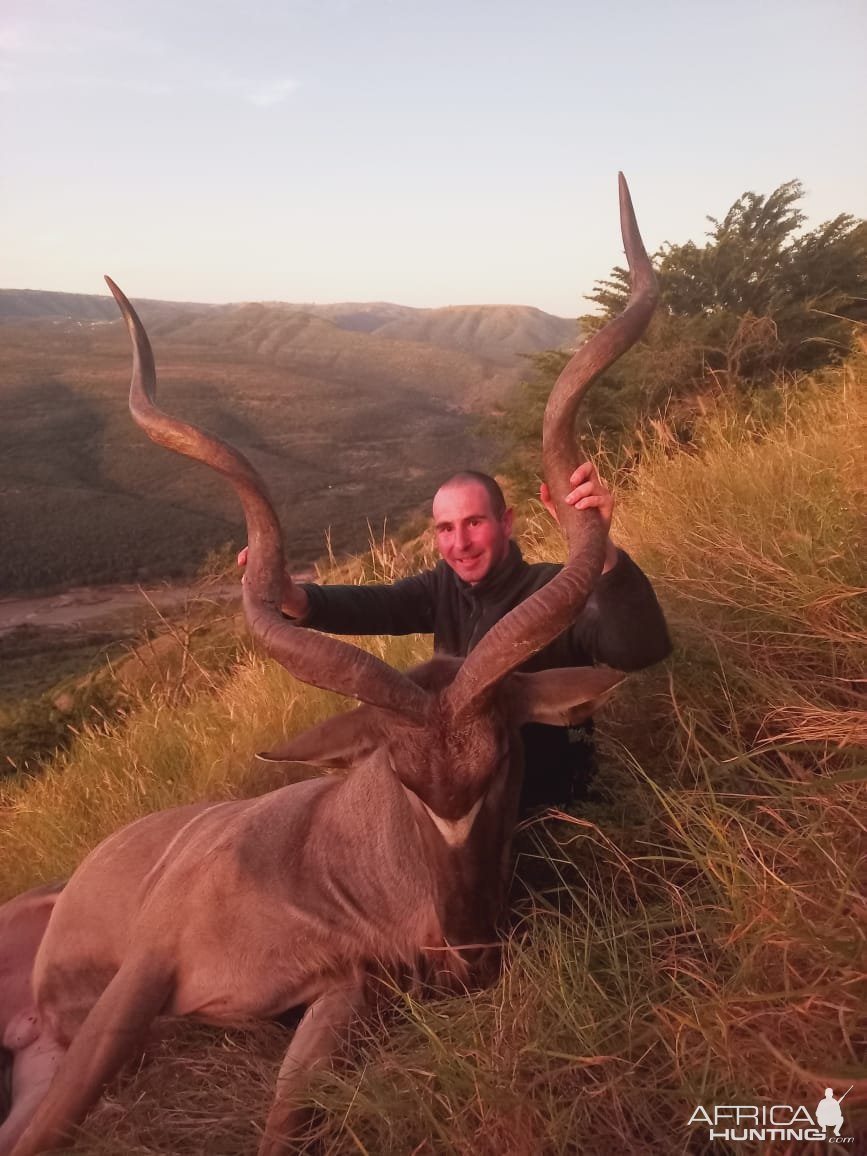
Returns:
<point x="457" y="154"/>
<point x="276" y="301"/>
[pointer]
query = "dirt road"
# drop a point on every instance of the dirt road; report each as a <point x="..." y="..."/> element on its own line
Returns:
<point x="91" y="606"/>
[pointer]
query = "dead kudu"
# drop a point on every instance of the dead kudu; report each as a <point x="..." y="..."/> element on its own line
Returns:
<point x="241" y="910"/>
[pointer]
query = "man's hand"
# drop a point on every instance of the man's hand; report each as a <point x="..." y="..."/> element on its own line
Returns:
<point x="589" y="493"/>
<point x="295" y="603"/>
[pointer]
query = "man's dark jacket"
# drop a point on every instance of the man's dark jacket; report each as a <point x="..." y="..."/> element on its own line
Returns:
<point x="621" y="625"/>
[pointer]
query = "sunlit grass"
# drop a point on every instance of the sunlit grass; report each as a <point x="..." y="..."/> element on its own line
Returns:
<point x="700" y="936"/>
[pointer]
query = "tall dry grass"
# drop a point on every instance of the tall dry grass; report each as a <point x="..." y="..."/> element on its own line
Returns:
<point x="696" y="937"/>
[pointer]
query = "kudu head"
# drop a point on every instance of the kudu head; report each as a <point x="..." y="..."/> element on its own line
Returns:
<point x="446" y="728"/>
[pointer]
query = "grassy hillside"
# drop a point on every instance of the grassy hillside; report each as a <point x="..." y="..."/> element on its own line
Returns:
<point x="696" y="937"/>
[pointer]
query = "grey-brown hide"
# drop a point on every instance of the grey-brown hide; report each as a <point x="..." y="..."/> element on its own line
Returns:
<point x="246" y="908"/>
<point x="27" y="1058"/>
<point x="23" y="921"/>
<point x="463" y="784"/>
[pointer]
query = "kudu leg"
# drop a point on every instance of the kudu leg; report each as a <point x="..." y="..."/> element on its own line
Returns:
<point x="113" y="1031"/>
<point x="320" y="1035"/>
<point x="33" y="1069"/>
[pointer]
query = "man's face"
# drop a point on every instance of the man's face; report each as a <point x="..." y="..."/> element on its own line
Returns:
<point x="470" y="537"/>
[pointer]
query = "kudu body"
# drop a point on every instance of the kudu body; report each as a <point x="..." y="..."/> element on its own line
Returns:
<point x="245" y="909"/>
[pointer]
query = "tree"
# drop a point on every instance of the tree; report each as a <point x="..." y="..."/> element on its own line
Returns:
<point x="760" y="297"/>
<point x="805" y="289"/>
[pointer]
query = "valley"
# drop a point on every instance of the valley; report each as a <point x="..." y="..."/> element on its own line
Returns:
<point x="350" y="418"/>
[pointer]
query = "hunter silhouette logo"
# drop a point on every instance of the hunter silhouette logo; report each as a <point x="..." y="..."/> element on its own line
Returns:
<point x="829" y="1113"/>
<point x="785" y="1122"/>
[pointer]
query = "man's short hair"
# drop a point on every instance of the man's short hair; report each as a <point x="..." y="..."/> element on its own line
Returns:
<point x="489" y="485"/>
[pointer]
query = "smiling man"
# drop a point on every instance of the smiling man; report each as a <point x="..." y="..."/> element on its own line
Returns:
<point x="482" y="575"/>
<point x="472" y="525"/>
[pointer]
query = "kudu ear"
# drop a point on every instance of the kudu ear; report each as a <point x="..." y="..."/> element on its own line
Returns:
<point x="341" y="741"/>
<point x="564" y="696"/>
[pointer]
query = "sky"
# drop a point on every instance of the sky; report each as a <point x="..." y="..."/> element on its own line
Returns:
<point x="426" y="152"/>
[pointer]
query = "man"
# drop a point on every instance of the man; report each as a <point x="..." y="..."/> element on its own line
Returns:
<point x="480" y="578"/>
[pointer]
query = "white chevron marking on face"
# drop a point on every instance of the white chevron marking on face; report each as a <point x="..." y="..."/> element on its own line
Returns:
<point x="456" y="831"/>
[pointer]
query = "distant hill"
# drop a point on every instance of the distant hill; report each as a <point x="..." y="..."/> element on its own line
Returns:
<point x="313" y="345"/>
<point x="362" y="316"/>
<point x="42" y="305"/>
<point x="499" y="333"/>
<point x="350" y="417"/>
